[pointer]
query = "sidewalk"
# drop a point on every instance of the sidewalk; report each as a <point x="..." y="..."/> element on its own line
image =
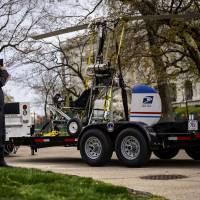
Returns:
<point x="68" y="161"/>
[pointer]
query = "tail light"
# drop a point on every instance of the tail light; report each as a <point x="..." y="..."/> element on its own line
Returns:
<point x="25" y="109"/>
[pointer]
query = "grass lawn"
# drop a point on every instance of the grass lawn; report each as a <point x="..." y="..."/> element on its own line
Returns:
<point x="31" y="184"/>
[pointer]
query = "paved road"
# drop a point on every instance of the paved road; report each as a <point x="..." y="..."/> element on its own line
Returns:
<point x="68" y="161"/>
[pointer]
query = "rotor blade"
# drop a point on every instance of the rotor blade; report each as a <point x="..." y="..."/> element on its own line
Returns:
<point x="61" y="31"/>
<point x="188" y="16"/>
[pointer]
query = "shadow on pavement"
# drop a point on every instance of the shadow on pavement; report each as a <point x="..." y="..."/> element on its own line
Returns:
<point x="153" y="163"/>
<point x="178" y="163"/>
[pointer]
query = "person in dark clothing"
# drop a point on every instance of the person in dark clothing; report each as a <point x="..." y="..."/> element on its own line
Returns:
<point x="3" y="79"/>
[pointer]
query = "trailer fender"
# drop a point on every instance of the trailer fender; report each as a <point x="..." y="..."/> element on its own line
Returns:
<point x="92" y="126"/>
<point x="140" y="126"/>
<point x="118" y="128"/>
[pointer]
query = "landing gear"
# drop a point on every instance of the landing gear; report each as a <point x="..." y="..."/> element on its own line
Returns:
<point x="74" y="127"/>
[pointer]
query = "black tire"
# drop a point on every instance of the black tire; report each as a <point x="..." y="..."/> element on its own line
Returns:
<point x="103" y="144"/>
<point x="194" y="153"/>
<point x="8" y="149"/>
<point x="142" y="152"/>
<point x="74" y="127"/>
<point x="6" y="153"/>
<point x="166" y="154"/>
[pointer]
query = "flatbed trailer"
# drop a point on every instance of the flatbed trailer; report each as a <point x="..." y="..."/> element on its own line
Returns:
<point x="37" y="142"/>
<point x="133" y="142"/>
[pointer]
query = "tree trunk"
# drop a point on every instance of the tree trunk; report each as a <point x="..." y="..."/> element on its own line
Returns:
<point x="161" y="74"/>
<point x="149" y="8"/>
<point x="192" y="47"/>
<point x="163" y="88"/>
<point x="45" y="107"/>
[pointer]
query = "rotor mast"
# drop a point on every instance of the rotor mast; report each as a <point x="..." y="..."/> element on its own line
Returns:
<point x="101" y="26"/>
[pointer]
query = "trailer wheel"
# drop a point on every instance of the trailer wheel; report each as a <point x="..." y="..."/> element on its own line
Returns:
<point x="166" y="153"/>
<point x="74" y="127"/>
<point x="95" y="147"/>
<point x="132" y="148"/>
<point x="194" y="153"/>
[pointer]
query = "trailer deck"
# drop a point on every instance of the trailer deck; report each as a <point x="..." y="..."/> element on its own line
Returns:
<point x="42" y="141"/>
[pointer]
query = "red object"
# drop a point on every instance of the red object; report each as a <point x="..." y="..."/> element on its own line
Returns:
<point x="39" y="140"/>
<point x="69" y="140"/>
<point x="24" y="107"/>
<point x="184" y="138"/>
<point x="158" y="113"/>
<point x="197" y="135"/>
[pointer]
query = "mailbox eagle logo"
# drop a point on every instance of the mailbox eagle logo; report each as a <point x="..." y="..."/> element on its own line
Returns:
<point x="148" y="100"/>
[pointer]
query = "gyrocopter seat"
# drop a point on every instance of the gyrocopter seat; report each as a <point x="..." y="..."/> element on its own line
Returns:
<point x="58" y="100"/>
<point x="82" y="101"/>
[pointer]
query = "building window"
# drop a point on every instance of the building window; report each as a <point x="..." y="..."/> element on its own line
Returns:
<point x="188" y="90"/>
<point x="173" y="92"/>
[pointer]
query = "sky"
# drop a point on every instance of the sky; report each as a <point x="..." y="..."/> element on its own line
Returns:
<point x="22" y="93"/>
<point x="67" y="7"/>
